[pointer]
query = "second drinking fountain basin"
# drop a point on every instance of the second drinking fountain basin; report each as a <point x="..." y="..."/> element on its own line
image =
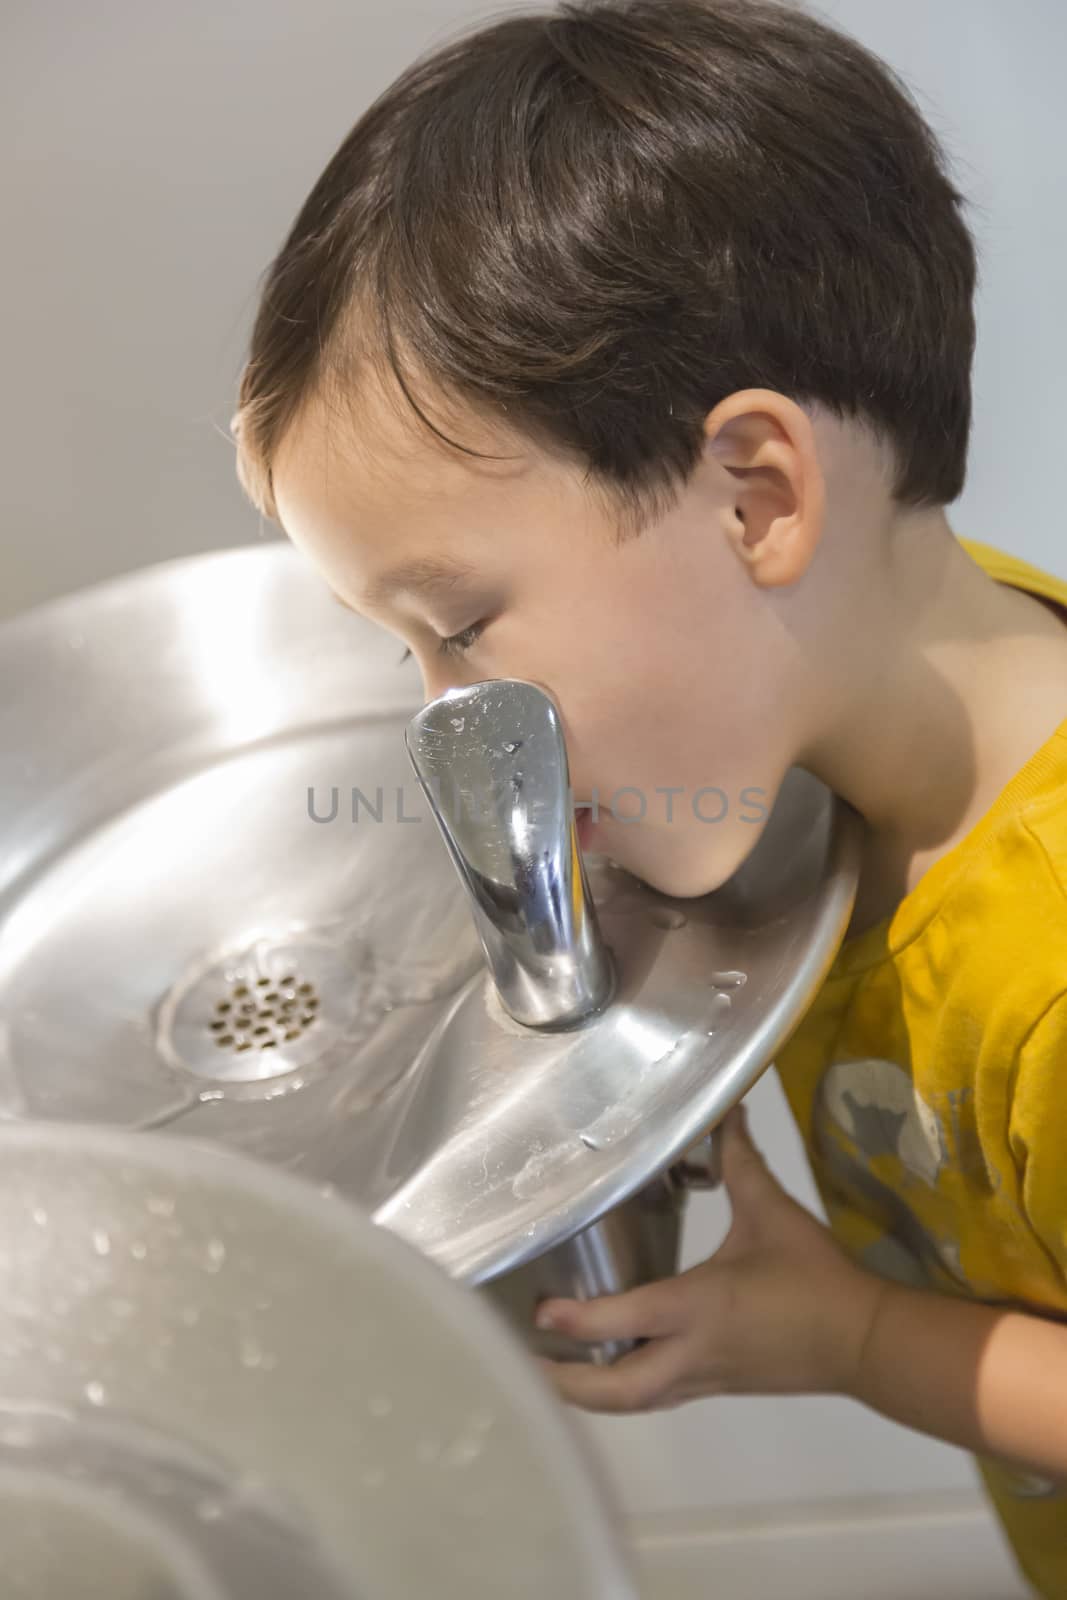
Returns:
<point x="227" y="911"/>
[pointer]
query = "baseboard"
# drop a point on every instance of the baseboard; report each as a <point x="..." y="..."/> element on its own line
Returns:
<point x="943" y="1546"/>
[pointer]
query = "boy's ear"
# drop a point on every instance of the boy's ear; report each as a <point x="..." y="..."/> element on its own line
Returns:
<point x="766" y="444"/>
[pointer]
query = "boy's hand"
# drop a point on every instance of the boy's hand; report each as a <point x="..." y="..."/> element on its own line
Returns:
<point x="779" y="1308"/>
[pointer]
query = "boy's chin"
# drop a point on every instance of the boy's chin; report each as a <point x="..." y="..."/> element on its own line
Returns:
<point x="682" y="871"/>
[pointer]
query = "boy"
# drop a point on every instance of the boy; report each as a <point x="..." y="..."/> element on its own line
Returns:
<point x="627" y="349"/>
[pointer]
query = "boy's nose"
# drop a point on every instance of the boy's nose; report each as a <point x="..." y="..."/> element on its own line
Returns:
<point x="437" y="680"/>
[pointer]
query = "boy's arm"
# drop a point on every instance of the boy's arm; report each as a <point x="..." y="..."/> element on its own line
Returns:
<point x="990" y="1380"/>
<point x="781" y="1309"/>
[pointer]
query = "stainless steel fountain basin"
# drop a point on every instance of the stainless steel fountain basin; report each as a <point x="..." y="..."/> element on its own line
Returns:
<point x="225" y="912"/>
<point x="218" y="1384"/>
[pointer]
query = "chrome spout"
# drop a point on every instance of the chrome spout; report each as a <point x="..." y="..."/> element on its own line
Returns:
<point x="492" y="762"/>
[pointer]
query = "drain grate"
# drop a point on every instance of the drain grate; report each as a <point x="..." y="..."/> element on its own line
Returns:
<point x="269" y="1007"/>
<point x="265" y="1013"/>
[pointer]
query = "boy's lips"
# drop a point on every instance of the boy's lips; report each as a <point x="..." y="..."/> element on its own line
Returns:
<point x="584" y="825"/>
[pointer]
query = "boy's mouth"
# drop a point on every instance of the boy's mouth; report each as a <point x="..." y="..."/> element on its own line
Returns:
<point x="584" y="825"/>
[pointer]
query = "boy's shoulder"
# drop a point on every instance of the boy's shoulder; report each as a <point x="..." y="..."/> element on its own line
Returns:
<point x="1042" y="811"/>
<point x="1017" y="888"/>
<point x="1008" y="924"/>
<point x="1045" y="815"/>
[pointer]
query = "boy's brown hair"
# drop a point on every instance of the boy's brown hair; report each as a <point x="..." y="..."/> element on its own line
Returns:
<point x="593" y="224"/>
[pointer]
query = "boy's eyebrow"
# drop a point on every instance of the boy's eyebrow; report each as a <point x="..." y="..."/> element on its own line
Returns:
<point x="419" y="576"/>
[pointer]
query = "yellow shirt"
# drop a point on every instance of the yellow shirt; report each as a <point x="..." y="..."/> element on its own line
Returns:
<point x="929" y="1081"/>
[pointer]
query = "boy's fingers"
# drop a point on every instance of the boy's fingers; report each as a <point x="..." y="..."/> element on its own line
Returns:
<point x="644" y="1313"/>
<point x="640" y="1381"/>
<point x="743" y="1166"/>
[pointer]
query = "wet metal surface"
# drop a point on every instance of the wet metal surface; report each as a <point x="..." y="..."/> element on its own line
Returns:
<point x="207" y="786"/>
<point x="217" y="1383"/>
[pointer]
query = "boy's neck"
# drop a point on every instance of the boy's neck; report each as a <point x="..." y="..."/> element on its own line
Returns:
<point x="976" y="685"/>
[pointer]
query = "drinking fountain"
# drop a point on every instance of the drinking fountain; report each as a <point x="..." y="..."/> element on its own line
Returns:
<point x="245" y="897"/>
<point x="217" y="1383"/>
<point x="492" y="762"/>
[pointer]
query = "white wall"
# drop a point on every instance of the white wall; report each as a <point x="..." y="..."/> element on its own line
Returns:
<point x="156" y="155"/>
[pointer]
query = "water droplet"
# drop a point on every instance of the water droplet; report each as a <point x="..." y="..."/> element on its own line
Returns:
<point x="251" y="1354"/>
<point x="216" y="1254"/>
<point x="589" y="1142"/>
<point x="457" y="723"/>
<point x="95" y="1393"/>
<point x="206" y="1096"/>
<point x="461" y="1452"/>
<point x="729" y="980"/>
<point x="379" y="1405"/>
<point x="288" y="1086"/>
<point x="667" y="917"/>
<point x="138" y="1250"/>
<point x="40" y="1216"/>
<point x="101" y="1242"/>
<point x="511" y="745"/>
<point x="160" y="1205"/>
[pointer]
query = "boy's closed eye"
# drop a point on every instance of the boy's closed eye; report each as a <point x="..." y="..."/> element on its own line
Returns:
<point x="453" y="645"/>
